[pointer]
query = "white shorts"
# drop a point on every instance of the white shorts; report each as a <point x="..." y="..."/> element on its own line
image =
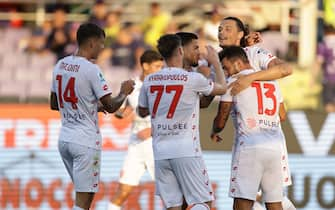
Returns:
<point x="287" y="181"/>
<point x="139" y="159"/>
<point x="83" y="165"/>
<point x="183" y="178"/>
<point x="254" y="169"/>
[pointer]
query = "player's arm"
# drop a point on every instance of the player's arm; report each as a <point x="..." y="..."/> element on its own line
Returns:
<point x="282" y="112"/>
<point x="220" y="85"/>
<point x="53" y="101"/>
<point x="111" y="104"/>
<point x="205" y="101"/>
<point x="277" y="69"/>
<point x="144" y="134"/>
<point x="220" y="120"/>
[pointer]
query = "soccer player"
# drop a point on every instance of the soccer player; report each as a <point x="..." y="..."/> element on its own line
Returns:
<point x="258" y="149"/>
<point x="140" y="156"/>
<point x="171" y="97"/>
<point x="77" y="87"/>
<point x="232" y="32"/>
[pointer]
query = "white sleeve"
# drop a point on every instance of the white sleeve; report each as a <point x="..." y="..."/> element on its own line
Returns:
<point x="53" y="85"/>
<point x="143" y="97"/>
<point x="98" y="83"/>
<point x="201" y="84"/>
<point x="227" y="97"/>
<point x="264" y="57"/>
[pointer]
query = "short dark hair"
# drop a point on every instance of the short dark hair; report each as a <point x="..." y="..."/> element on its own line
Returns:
<point x="167" y="44"/>
<point x="233" y="53"/>
<point x="87" y="31"/>
<point x="241" y="27"/>
<point x="150" y="56"/>
<point x="186" y="37"/>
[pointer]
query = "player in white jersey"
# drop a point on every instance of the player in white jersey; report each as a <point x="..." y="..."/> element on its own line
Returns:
<point x="140" y="156"/>
<point x="77" y="87"/>
<point x="258" y="147"/>
<point x="232" y="32"/>
<point x="171" y="97"/>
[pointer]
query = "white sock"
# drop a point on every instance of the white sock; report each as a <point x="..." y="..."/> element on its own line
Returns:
<point x="112" y="206"/>
<point x="257" y="206"/>
<point x="287" y="204"/>
<point x="200" y="206"/>
<point x="77" y="208"/>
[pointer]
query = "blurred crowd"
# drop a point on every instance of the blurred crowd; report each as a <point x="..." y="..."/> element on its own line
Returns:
<point x="28" y="52"/>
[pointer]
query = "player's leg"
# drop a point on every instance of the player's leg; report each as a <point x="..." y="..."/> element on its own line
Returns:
<point x="242" y="204"/>
<point x="272" y="180"/>
<point x="167" y="186"/>
<point x="246" y="174"/>
<point x="132" y="171"/>
<point x="193" y="179"/>
<point x="86" y="174"/>
<point x="287" y="204"/>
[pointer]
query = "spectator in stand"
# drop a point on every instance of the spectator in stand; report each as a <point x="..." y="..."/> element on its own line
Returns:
<point x="99" y="12"/>
<point x="59" y="36"/>
<point x="126" y="50"/>
<point x="113" y="26"/>
<point x="154" y="26"/>
<point x="72" y="45"/>
<point x="326" y="61"/>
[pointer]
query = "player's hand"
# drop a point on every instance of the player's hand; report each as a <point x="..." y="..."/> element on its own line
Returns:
<point x="127" y="87"/>
<point x="211" y="56"/>
<point x="242" y="82"/>
<point x="253" y="38"/>
<point x="216" y="138"/>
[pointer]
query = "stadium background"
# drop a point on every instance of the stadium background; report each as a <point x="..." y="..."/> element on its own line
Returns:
<point x="32" y="175"/>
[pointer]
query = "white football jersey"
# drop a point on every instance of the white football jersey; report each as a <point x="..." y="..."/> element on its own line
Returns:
<point x="256" y="114"/>
<point x="172" y="97"/>
<point x="259" y="58"/>
<point x="79" y="84"/>
<point x="139" y="123"/>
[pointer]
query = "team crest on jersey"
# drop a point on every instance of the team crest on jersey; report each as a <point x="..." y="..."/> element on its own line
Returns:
<point x="102" y="79"/>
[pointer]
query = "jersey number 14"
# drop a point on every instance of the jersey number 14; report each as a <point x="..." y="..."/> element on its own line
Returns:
<point x="69" y="94"/>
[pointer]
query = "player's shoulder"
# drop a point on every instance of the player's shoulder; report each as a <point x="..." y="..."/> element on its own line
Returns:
<point x="256" y="50"/>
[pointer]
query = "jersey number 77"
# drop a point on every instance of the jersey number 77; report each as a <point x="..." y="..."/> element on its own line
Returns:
<point x="160" y="89"/>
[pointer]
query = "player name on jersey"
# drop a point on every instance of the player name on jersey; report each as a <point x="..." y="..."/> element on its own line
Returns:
<point x="178" y="77"/>
<point x="69" y="67"/>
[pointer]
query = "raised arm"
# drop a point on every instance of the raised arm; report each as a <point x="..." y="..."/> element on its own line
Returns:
<point x="112" y="104"/>
<point x="220" y="120"/>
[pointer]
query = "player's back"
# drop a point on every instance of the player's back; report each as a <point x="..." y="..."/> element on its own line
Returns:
<point x="255" y="115"/>
<point x="77" y="95"/>
<point x="173" y="101"/>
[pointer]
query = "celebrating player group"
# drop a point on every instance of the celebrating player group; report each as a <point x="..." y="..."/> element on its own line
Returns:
<point x="176" y="82"/>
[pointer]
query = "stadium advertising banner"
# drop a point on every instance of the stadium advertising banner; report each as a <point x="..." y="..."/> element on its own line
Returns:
<point x="32" y="175"/>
